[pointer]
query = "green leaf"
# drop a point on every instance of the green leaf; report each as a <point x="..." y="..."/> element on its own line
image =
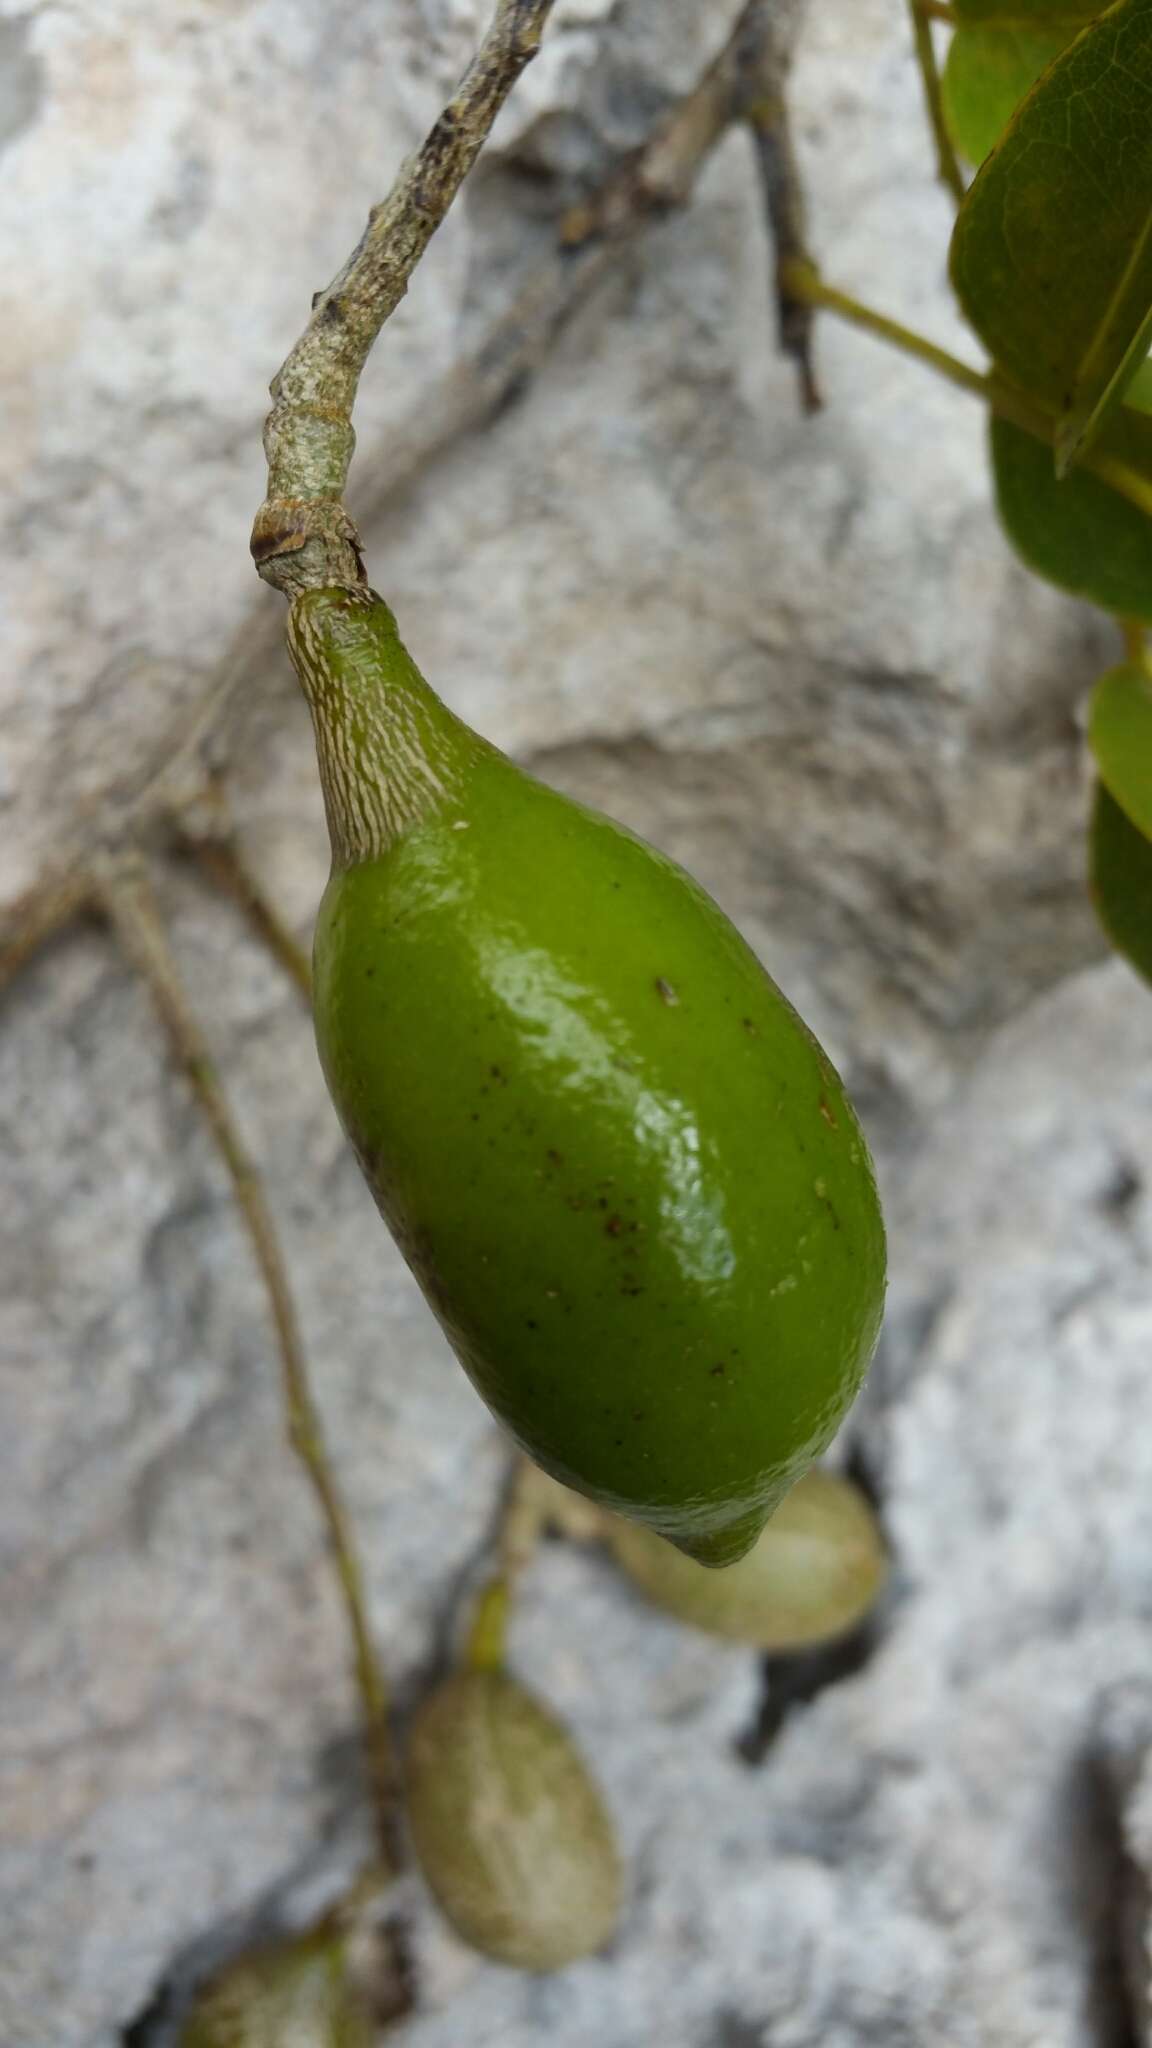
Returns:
<point x="1028" y="13"/>
<point x="1052" y="249"/>
<point x="1121" y="881"/>
<point x="1077" y="531"/>
<point x="1120" y="736"/>
<point x="988" y="70"/>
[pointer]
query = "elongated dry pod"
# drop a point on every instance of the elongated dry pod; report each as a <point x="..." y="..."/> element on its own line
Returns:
<point x="813" y="1573"/>
<point x="510" y="1830"/>
<point x="291" y="1994"/>
<point x="623" y="1171"/>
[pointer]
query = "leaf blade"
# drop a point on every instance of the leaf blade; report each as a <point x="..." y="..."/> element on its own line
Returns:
<point x="1052" y="251"/>
<point x="1032" y="13"/>
<point x="989" y="68"/>
<point x="1078" y="533"/>
<point x="1120" y="881"/>
<point x="1120" y="736"/>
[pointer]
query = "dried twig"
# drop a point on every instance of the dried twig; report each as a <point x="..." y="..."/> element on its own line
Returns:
<point x="764" y="106"/>
<point x="302" y="535"/>
<point x="36" y="918"/>
<point x="214" y="847"/>
<point x="659" y="176"/>
<point x="127" y="896"/>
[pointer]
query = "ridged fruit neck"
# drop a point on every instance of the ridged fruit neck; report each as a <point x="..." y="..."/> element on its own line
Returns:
<point x="389" y="751"/>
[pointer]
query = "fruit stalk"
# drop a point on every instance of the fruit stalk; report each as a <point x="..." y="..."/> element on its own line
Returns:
<point x="302" y="536"/>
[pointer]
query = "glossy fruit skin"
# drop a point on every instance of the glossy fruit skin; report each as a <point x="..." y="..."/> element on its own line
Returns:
<point x="509" y="1828"/>
<point x="625" y="1174"/>
<point x="814" y="1572"/>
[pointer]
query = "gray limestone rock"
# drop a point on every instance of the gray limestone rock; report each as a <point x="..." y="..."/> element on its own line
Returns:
<point x="796" y="653"/>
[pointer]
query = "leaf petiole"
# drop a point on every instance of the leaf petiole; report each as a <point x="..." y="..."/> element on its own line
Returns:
<point x="1008" y="403"/>
<point x="923" y="13"/>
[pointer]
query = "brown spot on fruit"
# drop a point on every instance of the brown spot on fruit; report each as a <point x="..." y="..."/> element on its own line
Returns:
<point x="827" y="1114"/>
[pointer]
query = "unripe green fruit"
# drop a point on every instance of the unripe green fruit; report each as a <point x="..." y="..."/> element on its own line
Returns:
<point x="622" y="1169"/>
<point x="813" y="1573"/>
<point x="295" y="1994"/>
<point x="511" y="1833"/>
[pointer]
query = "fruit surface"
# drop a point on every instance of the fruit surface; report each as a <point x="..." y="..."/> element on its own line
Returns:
<point x="296" y="1992"/>
<point x="510" y="1831"/>
<point x="626" y="1176"/>
<point x="813" y="1572"/>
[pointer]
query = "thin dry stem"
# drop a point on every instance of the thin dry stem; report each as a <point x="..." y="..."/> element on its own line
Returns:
<point x="660" y="175"/>
<point x="744" y="82"/>
<point x="37" y="917"/>
<point x="130" y="903"/>
<point x="302" y="535"/>
<point x="764" y="106"/>
<point x="219" y="858"/>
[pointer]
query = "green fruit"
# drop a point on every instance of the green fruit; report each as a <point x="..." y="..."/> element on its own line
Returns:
<point x="295" y="1992"/>
<point x="510" y="1831"/>
<point x="623" y="1171"/>
<point x="813" y="1572"/>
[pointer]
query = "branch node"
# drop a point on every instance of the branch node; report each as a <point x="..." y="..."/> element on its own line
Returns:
<point x="306" y="543"/>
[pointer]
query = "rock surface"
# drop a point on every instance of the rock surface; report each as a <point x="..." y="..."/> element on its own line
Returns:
<point x="798" y="655"/>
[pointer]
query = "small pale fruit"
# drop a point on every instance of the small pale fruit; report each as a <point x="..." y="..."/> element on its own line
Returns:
<point x="814" y="1571"/>
<point x="510" y="1830"/>
<point x="295" y="1993"/>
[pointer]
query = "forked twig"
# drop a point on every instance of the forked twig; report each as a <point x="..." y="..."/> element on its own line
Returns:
<point x="129" y="900"/>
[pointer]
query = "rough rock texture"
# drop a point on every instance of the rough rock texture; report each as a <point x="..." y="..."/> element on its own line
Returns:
<point x="797" y="654"/>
